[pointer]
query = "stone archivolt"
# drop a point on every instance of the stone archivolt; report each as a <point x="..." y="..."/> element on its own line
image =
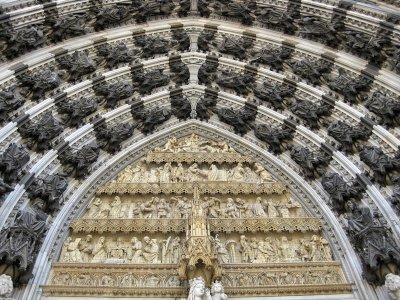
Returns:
<point x="187" y="211"/>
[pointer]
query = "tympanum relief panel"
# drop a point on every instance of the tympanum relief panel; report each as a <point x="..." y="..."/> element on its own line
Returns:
<point x="195" y="210"/>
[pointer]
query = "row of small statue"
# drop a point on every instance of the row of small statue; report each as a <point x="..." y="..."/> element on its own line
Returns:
<point x="148" y="251"/>
<point x="269" y="250"/>
<point x="179" y="207"/>
<point x="194" y="144"/>
<point x="182" y="172"/>
<point x="151" y="250"/>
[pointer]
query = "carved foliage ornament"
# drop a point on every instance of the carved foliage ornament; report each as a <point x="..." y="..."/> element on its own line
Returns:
<point x="11" y="162"/>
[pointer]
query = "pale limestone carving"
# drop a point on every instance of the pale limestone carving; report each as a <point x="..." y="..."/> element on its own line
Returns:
<point x="72" y="253"/>
<point x="86" y="248"/>
<point x="135" y="252"/>
<point x="198" y="290"/>
<point x="151" y="250"/>
<point x="99" y="251"/>
<point x="217" y="291"/>
<point x="6" y="286"/>
<point x="393" y="284"/>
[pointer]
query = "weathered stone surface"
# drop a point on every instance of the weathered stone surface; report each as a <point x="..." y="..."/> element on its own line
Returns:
<point x="114" y="92"/>
<point x="4" y="189"/>
<point x="237" y="10"/>
<point x="181" y="107"/>
<point x="274" y="18"/>
<point x="311" y="71"/>
<point x="22" y="40"/>
<point x="237" y="47"/>
<point x="347" y="134"/>
<point x="395" y="197"/>
<point x="64" y="27"/>
<point x="182" y="38"/>
<point x="50" y="189"/>
<point x="77" y="163"/>
<point x="78" y="64"/>
<point x="316" y="28"/>
<point x="205" y="107"/>
<point x="180" y="72"/>
<point x="109" y="16"/>
<point x="74" y="112"/>
<point x="311" y="112"/>
<point x="274" y="137"/>
<point x="11" y="162"/>
<point x="40" y="133"/>
<point x="205" y="38"/>
<point x="207" y="72"/>
<point x="118" y="54"/>
<point x="111" y="138"/>
<point x="152" y="45"/>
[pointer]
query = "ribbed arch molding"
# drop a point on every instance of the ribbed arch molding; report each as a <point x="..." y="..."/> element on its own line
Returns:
<point x="309" y="192"/>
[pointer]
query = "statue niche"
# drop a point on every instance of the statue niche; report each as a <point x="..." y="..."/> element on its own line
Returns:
<point x="194" y="214"/>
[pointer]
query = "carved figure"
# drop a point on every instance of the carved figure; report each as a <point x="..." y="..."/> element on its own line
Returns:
<point x="316" y="28"/>
<point x="40" y="82"/>
<point x="273" y="93"/>
<point x="181" y="72"/>
<point x="241" y="11"/>
<point x="22" y="40"/>
<point x="347" y="134"/>
<point x="76" y="111"/>
<point x="86" y="248"/>
<point x="78" y="64"/>
<point x="275" y="18"/>
<point x="312" y="163"/>
<point x="12" y="160"/>
<point x="387" y="108"/>
<point x="273" y="57"/>
<point x="239" y="119"/>
<point x="235" y="46"/>
<point x="339" y="191"/>
<point x="111" y="138"/>
<point x="182" y="38"/>
<point x="205" y="107"/>
<point x="150" y="118"/>
<point x="110" y="16"/>
<point x="311" y="112"/>
<point x="152" y="45"/>
<point x="50" y="189"/>
<point x="147" y="82"/>
<point x="4" y="189"/>
<point x="41" y="132"/>
<point x="114" y="92"/>
<point x="344" y="84"/>
<point x="10" y="100"/>
<point x="392" y="283"/>
<point x="207" y="72"/>
<point x="150" y="250"/>
<point x="144" y="10"/>
<point x="68" y="26"/>
<point x="99" y="251"/>
<point x="205" y="38"/>
<point x="241" y="83"/>
<point x="395" y="197"/>
<point x="135" y="253"/>
<point x="379" y="162"/>
<point x="198" y="290"/>
<point x="274" y="137"/>
<point x="262" y="173"/>
<point x="217" y="291"/>
<point x="245" y="250"/>
<point x="20" y="242"/>
<point x="311" y="71"/>
<point x="79" y="162"/>
<point x="6" y="286"/>
<point x="118" y="54"/>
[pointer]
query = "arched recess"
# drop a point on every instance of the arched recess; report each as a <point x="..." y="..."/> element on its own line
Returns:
<point x="299" y="189"/>
<point x="346" y="165"/>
